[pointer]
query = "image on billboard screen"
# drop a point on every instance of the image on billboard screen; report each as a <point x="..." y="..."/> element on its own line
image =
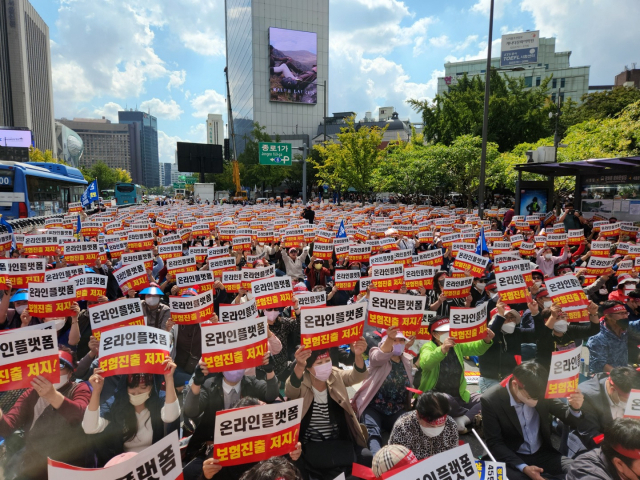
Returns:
<point x="533" y="201"/>
<point x="15" y="138"/>
<point x="293" y="70"/>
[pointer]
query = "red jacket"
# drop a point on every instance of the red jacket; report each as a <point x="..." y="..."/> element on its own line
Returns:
<point x="317" y="277"/>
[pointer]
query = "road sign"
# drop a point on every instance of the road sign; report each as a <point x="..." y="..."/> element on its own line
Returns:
<point x="519" y="48"/>
<point x="272" y="153"/>
<point x="179" y="185"/>
<point x="191" y="180"/>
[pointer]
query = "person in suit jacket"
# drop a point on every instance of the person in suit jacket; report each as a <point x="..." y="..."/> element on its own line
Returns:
<point x="605" y="399"/>
<point x="517" y="423"/>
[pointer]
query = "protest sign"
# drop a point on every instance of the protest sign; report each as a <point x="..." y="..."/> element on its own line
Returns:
<point x="132" y="277"/>
<point x="575" y="236"/>
<point x="566" y="291"/>
<point x="491" y="470"/>
<point x="252" y="434"/>
<point x="238" y="311"/>
<point x="272" y="292"/>
<point x="325" y="327"/>
<point x="249" y="275"/>
<point x="90" y="286"/>
<point x="381" y="259"/>
<point x="52" y="299"/>
<point x="193" y="309"/>
<point x="632" y="409"/>
<point x="90" y="229"/>
<point x="516" y="240"/>
<point x="311" y="299"/>
<point x="116" y="249"/>
<point x="423" y="331"/>
<point x="600" y="266"/>
<point x="232" y="281"/>
<point x="181" y="265"/>
<point x="135" y="257"/>
<point x="556" y="240"/>
<point x="119" y="313"/>
<point x="81" y="253"/>
<point x="468" y="324"/>
<point x="476" y="264"/>
<point x="202" y="230"/>
<point x="387" y="277"/>
<point x="323" y="251"/>
<point x="402" y="257"/>
<point x="457" y="463"/>
<point x="527" y="249"/>
<point x="512" y="287"/>
<point x="27" y="354"/>
<point x="430" y="258"/>
<point x="522" y="266"/>
<point x="174" y="238"/>
<point x="357" y="253"/>
<point x="217" y="252"/>
<point x="346" y="280"/>
<point x="608" y="230"/>
<point x="341" y="251"/>
<point x="134" y="349"/>
<point x="170" y="250"/>
<point x="200" y="253"/>
<point x="137" y="241"/>
<point x="43" y="245"/>
<point x="600" y="248"/>
<point x="62" y="273"/>
<point x="419" y="277"/>
<point x="241" y="243"/>
<point x="396" y="310"/>
<point x="457" y="287"/>
<point x="234" y="345"/>
<point x="201" y="280"/>
<point x="221" y="264"/>
<point x="563" y="373"/>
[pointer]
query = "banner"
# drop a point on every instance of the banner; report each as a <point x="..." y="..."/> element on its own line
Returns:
<point x="468" y="324"/>
<point x="90" y="229"/>
<point x="381" y="259"/>
<point x="52" y="299"/>
<point x="566" y="291"/>
<point x="238" y="312"/>
<point x="311" y="299"/>
<point x="457" y="287"/>
<point x="326" y="327"/>
<point x="423" y="331"/>
<point x="181" y="265"/>
<point x="234" y="345"/>
<point x="170" y="250"/>
<point x="476" y="264"/>
<point x="90" y="286"/>
<point x="200" y="253"/>
<point x="358" y="253"/>
<point x="252" y="434"/>
<point x="132" y="277"/>
<point x="419" y="277"/>
<point x="241" y="244"/>
<point x="556" y="240"/>
<point x="346" y="280"/>
<point x="27" y="354"/>
<point x="22" y="271"/>
<point x="387" y="277"/>
<point x="81" y="253"/>
<point x="430" y="258"/>
<point x="600" y="266"/>
<point x="512" y="287"/>
<point x="62" y="273"/>
<point x="135" y="257"/>
<point x="396" y="310"/>
<point x="272" y="292"/>
<point x="43" y="245"/>
<point x="115" y="314"/>
<point x="563" y="373"/>
<point x="134" y="349"/>
<point x="522" y="266"/>
<point x="140" y="240"/>
<point x="232" y="281"/>
<point x="323" y="251"/>
<point x="193" y="309"/>
<point x="455" y="464"/>
<point x="221" y="264"/>
<point x="202" y="280"/>
<point x="575" y="237"/>
<point x="249" y="275"/>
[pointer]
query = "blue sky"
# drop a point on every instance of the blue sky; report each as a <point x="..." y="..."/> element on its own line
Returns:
<point x="168" y="56"/>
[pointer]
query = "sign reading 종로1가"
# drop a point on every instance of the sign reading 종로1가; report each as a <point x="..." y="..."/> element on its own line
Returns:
<point x="272" y="153"/>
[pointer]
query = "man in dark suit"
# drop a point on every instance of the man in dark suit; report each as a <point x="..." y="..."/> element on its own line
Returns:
<point x="605" y="398"/>
<point x="517" y="423"/>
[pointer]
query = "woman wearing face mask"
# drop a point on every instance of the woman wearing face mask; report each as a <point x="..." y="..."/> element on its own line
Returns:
<point x="478" y="293"/>
<point x="329" y="427"/>
<point x="11" y="318"/>
<point x="499" y="361"/>
<point x="383" y="397"/>
<point x="442" y="365"/>
<point x="316" y="273"/>
<point x="427" y="430"/>
<point x="547" y="262"/>
<point x="50" y="414"/>
<point x="156" y="313"/>
<point x="287" y="330"/>
<point x="438" y="301"/>
<point x="555" y="334"/>
<point x="137" y="418"/>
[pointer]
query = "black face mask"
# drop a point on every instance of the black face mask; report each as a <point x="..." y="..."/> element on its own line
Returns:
<point x="623" y="323"/>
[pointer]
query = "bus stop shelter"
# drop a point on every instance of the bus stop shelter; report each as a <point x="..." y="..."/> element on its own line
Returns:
<point x="609" y="187"/>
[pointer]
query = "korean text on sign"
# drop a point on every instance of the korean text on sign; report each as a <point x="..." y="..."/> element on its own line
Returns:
<point x="234" y="345"/>
<point x="327" y="327"/>
<point x="52" y="299"/>
<point x="119" y="313"/>
<point x="468" y="324"/>
<point x="512" y="287"/>
<point x="238" y="312"/>
<point x="272" y="292"/>
<point x="457" y="463"/>
<point x="247" y="435"/>
<point x="396" y="310"/>
<point x="193" y="309"/>
<point x="563" y="373"/>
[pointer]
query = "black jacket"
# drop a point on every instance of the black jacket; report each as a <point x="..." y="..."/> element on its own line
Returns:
<point x="592" y="465"/>
<point x="211" y="401"/>
<point x="502" y="430"/>
<point x="548" y="342"/>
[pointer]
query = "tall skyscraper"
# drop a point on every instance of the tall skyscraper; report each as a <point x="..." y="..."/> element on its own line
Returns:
<point x="215" y="129"/>
<point x="26" y="91"/>
<point x="147" y="133"/>
<point x="277" y="63"/>
<point x="165" y="174"/>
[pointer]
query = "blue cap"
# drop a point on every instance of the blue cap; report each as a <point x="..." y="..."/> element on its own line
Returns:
<point x="88" y="270"/>
<point x="152" y="291"/>
<point x="190" y="292"/>
<point x="21" y="295"/>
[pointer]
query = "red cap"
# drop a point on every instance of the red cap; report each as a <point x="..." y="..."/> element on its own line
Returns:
<point x="33" y="256"/>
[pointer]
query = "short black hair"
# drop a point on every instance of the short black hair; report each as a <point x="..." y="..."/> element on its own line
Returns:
<point x="274" y="467"/>
<point x="634" y="294"/>
<point x="432" y="405"/>
<point x="246" y="402"/>
<point x="607" y="305"/>
<point x="533" y="378"/>
<point x="625" y="378"/>
<point x="623" y="432"/>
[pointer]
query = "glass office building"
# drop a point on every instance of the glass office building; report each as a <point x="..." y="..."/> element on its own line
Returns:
<point x="147" y="126"/>
<point x="249" y="65"/>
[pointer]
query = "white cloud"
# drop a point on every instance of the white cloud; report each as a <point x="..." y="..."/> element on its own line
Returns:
<point x="208" y="102"/>
<point x="466" y="43"/>
<point x="167" y="146"/>
<point x="166" y="110"/>
<point x="109" y="110"/>
<point x="198" y="133"/>
<point x="441" y="41"/>
<point x="482" y="53"/>
<point x="176" y="79"/>
<point x="483" y="7"/>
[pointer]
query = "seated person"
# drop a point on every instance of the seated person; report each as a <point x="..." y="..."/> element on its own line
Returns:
<point x="516" y="420"/>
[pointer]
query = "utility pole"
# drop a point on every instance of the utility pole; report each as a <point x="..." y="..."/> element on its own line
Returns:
<point x="305" y="149"/>
<point x="485" y="118"/>
<point x="556" y="136"/>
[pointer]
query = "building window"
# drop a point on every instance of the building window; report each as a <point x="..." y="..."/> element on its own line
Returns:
<point x="546" y="66"/>
<point x="483" y="71"/>
<point x="562" y="83"/>
<point x="528" y="81"/>
<point x="554" y="83"/>
<point x="561" y="97"/>
<point x="537" y="81"/>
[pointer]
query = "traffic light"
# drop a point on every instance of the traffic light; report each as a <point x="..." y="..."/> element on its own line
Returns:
<point x="227" y="153"/>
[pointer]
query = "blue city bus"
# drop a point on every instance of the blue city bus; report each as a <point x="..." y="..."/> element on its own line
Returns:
<point x="37" y="188"/>
<point x="127" y="193"/>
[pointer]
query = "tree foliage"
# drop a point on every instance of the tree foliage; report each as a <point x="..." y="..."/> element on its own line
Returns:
<point x="517" y="114"/>
<point x="37" y="155"/>
<point x="107" y="176"/>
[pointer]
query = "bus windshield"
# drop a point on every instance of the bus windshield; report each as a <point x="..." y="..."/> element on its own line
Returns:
<point x="126" y="187"/>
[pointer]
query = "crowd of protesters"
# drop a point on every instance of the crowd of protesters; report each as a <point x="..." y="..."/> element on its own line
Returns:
<point x="88" y="419"/>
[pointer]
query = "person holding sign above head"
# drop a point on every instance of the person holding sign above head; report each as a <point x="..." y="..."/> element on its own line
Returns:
<point x="516" y="420"/>
<point x="442" y="364"/>
<point x="156" y="313"/>
<point x="208" y="395"/>
<point x="329" y="427"/>
<point x="546" y="261"/>
<point x="383" y="397"/>
<point x="618" y="457"/>
<point x="609" y="348"/>
<point x="138" y="416"/>
<point x="50" y="415"/>
<point x="438" y="301"/>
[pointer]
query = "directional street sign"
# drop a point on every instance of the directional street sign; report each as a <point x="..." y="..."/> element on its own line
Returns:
<point x="178" y="185"/>
<point x="272" y="153"/>
<point x="191" y="180"/>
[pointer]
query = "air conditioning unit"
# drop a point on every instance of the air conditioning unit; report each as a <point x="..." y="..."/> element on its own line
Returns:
<point x="541" y="155"/>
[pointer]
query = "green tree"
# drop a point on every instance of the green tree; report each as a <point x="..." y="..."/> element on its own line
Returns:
<point x="106" y="175"/>
<point x="255" y="174"/>
<point x="517" y="113"/>
<point x="353" y="161"/>
<point x="37" y="155"/>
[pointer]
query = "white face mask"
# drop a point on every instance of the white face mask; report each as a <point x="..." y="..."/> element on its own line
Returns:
<point x="480" y="286"/>
<point x="432" y="431"/>
<point x="538" y="283"/>
<point x="271" y="316"/>
<point x="561" y="326"/>
<point x="548" y="256"/>
<point x="443" y="337"/>
<point x="152" y="300"/>
<point x="508" y="328"/>
<point x="548" y="304"/>
<point x="322" y="372"/>
<point x="21" y="308"/>
<point x="63" y="381"/>
<point x="603" y="291"/>
<point x="137" y="400"/>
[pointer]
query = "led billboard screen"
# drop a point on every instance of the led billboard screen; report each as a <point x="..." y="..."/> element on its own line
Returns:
<point x="15" y="138"/>
<point x="293" y="59"/>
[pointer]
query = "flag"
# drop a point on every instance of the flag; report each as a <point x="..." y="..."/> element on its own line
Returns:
<point x="482" y="243"/>
<point x="90" y="195"/>
<point x="10" y="230"/>
<point x="342" y="233"/>
<point x="78" y="226"/>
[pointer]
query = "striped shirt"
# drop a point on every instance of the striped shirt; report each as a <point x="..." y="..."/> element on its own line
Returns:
<point x="320" y="427"/>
